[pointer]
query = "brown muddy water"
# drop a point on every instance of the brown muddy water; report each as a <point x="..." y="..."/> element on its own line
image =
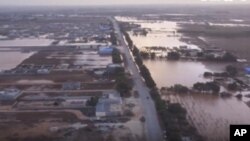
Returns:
<point x="87" y="59"/>
<point x="210" y="114"/>
<point x="9" y="60"/>
<point x="168" y="73"/>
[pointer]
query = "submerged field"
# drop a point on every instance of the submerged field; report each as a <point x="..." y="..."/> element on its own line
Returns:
<point x="211" y="115"/>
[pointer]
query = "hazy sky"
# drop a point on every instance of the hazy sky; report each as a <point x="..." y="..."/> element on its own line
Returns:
<point x="107" y="2"/>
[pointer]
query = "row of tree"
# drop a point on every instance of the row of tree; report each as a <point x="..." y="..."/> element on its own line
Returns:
<point x="113" y="38"/>
<point x="123" y="83"/>
<point x="230" y="71"/>
<point x="203" y="87"/>
<point x="227" y="57"/>
<point x="207" y="87"/>
<point x="116" y="56"/>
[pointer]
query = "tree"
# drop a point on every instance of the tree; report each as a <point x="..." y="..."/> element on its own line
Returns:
<point x="152" y="55"/>
<point x="176" y="108"/>
<point x="200" y="54"/>
<point x="199" y="86"/>
<point x="138" y="61"/>
<point x="144" y="32"/>
<point x="232" y="86"/>
<point x="113" y="38"/>
<point x="228" y="57"/>
<point x="207" y="74"/>
<point x="128" y="39"/>
<point x="231" y="70"/>
<point x="147" y="76"/>
<point x="135" y="51"/>
<point x="92" y="101"/>
<point x="142" y="119"/>
<point x="119" y="71"/>
<point x="116" y="57"/>
<point x="55" y="103"/>
<point x="123" y="85"/>
<point x="208" y="86"/>
<point x="173" y="56"/>
<point x="144" y="55"/>
<point x="180" y="89"/>
<point x="213" y="86"/>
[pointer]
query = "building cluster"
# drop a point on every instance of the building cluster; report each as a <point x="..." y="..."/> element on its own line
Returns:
<point x="73" y="28"/>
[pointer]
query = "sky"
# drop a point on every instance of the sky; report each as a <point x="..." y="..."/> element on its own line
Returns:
<point x="109" y="2"/>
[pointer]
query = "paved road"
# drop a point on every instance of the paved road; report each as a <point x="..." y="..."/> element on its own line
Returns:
<point x="153" y="129"/>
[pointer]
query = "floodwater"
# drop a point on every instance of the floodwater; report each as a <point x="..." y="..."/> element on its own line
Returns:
<point x="9" y="60"/>
<point x="87" y="59"/>
<point x="164" y="34"/>
<point x="26" y="42"/>
<point x="210" y="114"/>
<point x="168" y="73"/>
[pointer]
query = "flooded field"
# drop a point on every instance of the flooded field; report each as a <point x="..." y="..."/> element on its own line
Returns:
<point x="88" y="59"/>
<point x="210" y="114"/>
<point x="26" y="42"/>
<point x="168" y="73"/>
<point x="9" y="60"/>
<point x="162" y="33"/>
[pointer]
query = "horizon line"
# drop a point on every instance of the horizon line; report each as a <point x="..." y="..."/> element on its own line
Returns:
<point x="136" y="4"/>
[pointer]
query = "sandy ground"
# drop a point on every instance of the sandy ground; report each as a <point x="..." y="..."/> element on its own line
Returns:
<point x="35" y="125"/>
